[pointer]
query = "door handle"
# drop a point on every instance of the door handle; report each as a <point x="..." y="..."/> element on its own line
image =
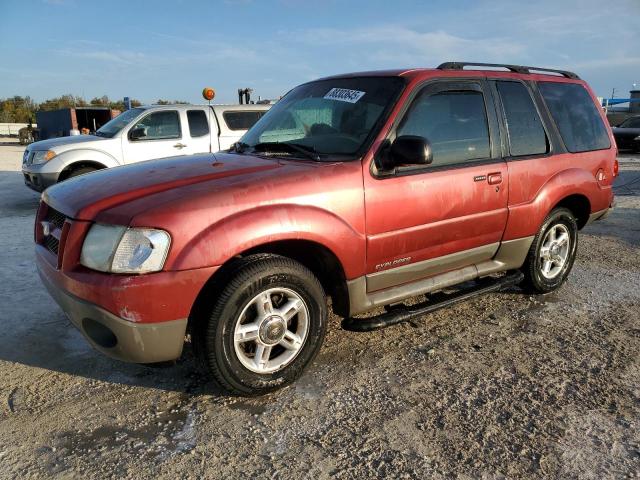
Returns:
<point x="494" y="178"/>
<point x="179" y="145"/>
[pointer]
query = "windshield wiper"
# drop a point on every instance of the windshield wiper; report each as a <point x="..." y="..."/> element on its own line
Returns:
<point x="305" y="150"/>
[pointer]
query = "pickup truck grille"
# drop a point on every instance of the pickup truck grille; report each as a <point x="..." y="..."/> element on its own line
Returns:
<point x="56" y="218"/>
<point x="27" y="157"/>
<point x="55" y="221"/>
<point x="52" y="244"/>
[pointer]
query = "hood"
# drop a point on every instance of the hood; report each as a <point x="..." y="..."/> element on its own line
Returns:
<point x="60" y="144"/>
<point x="84" y="197"/>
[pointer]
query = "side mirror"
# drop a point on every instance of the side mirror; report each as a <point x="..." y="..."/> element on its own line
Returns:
<point x="137" y="133"/>
<point x="410" y="150"/>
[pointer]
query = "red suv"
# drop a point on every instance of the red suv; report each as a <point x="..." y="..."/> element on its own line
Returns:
<point x="368" y="188"/>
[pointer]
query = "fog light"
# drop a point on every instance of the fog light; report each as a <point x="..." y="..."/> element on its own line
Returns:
<point x="101" y="335"/>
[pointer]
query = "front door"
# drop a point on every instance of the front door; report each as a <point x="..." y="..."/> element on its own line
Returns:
<point x="156" y="135"/>
<point x="425" y="220"/>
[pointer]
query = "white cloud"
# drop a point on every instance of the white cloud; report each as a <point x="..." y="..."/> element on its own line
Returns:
<point x="403" y="46"/>
<point x="124" y="58"/>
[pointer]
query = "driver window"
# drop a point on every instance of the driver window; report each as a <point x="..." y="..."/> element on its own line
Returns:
<point x="160" y="125"/>
<point x="454" y="122"/>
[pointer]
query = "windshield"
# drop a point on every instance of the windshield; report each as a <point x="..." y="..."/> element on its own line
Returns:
<point x="335" y="117"/>
<point x="113" y="126"/>
<point x="633" y="122"/>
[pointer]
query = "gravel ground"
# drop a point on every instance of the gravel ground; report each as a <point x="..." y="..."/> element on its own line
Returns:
<point x="504" y="386"/>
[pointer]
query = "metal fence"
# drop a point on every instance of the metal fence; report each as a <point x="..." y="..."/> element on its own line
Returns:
<point x="11" y="129"/>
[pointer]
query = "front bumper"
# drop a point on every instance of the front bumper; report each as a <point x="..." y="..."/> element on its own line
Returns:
<point x="39" y="181"/>
<point x="118" y="338"/>
<point x="139" y="318"/>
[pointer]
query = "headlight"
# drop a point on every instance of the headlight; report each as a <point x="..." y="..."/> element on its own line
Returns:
<point x="42" y="156"/>
<point x="637" y="139"/>
<point x="110" y="248"/>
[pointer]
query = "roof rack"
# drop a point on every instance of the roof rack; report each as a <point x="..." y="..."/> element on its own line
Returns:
<point x="513" y="68"/>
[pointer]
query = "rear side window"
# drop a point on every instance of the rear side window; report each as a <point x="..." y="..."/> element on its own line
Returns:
<point x="241" y="120"/>
<point x="455" y="123"/>
<point x="576" y="116"/>
<point x="198" y="125"/>
<point x="524" y="127"/>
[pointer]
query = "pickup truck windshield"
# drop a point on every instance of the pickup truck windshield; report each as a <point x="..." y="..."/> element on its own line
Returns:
<point x="334" y="117"/>
<point x="113" y="126"/>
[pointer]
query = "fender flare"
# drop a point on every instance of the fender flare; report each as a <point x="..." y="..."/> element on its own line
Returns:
<point x="64" y="160"/>
<point x="242" y="231"/>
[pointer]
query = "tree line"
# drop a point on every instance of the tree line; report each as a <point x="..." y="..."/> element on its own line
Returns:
<point x="19" y="109"/>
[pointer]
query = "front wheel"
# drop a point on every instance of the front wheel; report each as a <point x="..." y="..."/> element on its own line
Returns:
<point x="265" y="327"/>
<point x="552" y="252"/>
<point x="80" y="171"/>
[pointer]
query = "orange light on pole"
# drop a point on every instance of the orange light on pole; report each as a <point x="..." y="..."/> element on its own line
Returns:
<point x="208" y="93"/>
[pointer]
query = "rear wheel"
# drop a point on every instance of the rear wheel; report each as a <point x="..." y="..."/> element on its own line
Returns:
<point x="265" y="326"/>
<point x="552" y="252"/>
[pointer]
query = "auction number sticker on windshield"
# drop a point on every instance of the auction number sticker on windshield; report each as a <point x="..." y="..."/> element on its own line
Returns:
<point x="344" y="95"/>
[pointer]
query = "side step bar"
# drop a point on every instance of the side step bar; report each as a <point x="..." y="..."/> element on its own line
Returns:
<point x="399" y="314"/>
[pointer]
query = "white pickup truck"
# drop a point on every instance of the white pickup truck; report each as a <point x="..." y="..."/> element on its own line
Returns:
<point x="139" y="134"/>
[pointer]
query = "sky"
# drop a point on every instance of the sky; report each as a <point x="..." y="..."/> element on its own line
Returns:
<point x="172" y="49"/>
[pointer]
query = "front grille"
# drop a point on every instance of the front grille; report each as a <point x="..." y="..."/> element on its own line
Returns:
<point x="55" y="217"/>
<point x="52" y="244"/>
<point x="56" y="220"/>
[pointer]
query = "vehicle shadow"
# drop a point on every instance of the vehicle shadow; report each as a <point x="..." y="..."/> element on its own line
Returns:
<point x="15" y="197"/>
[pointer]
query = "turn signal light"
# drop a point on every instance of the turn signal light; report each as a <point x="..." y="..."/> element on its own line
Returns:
<point x="616" y="167"/>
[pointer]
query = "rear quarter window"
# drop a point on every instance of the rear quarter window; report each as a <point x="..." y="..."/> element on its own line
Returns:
<point x="576" y="116"/>
<point x="241" y="120"/>
<point x="524" y="127"/>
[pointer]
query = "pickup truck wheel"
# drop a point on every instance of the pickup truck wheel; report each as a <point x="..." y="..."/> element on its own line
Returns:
<point x="552" y="252"/>
<point x="265" y="327"/>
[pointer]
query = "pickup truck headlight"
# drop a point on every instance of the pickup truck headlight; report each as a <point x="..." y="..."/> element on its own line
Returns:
<point x="117" y="249"/>
<point x="42" y="156"/>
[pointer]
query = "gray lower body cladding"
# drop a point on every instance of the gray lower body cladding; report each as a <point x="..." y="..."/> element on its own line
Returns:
<point x="397" y="284"/>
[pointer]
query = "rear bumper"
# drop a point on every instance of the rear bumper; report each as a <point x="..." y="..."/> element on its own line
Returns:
<point x="119" y="338"/>
<point x="600" y="215"/>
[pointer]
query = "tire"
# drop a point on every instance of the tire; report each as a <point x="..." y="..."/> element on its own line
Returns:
<point x="80" y="171"/>
<point x="248" y="317"/>
<point x="549" y="262"/>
